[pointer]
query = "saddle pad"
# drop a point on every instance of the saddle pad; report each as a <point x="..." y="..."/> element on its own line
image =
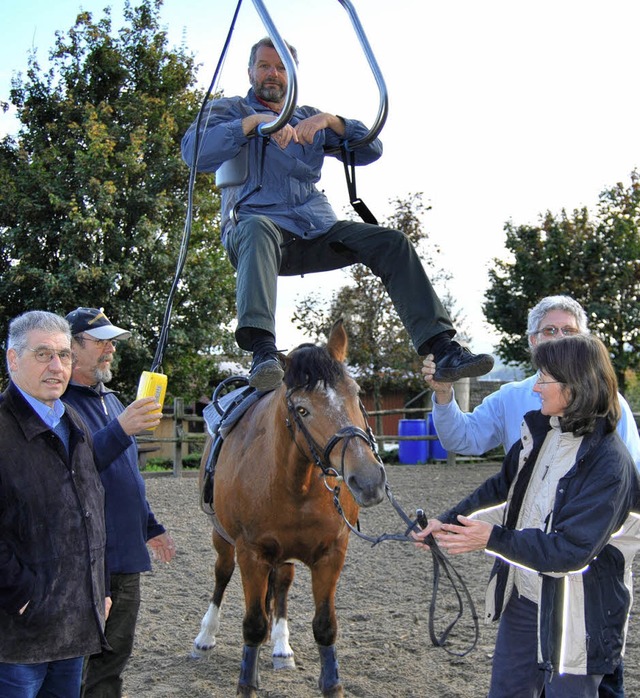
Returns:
<point x="221" y="416"/>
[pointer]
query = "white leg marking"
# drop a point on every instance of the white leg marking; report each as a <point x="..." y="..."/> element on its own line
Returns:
<point x="282" y="654"/>
<point x="209" y="628"/>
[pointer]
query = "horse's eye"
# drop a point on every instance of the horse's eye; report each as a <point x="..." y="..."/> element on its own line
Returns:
<point x="302" y="411"/>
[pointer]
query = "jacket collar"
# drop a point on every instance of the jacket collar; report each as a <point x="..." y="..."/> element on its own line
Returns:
<point x="96" y="390"/>
<point x="539" y="425"/>
<point x="26" y="417"/>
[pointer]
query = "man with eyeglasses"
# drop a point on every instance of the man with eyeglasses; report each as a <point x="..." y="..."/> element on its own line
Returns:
<point x="497" y="419"/>
<point x="131" y="524"/>
<point x="52" y="528"/>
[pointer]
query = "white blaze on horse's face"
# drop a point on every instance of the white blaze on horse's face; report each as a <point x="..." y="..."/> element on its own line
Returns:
<point x="334" y="400"/>
<point x="336" y="404"/>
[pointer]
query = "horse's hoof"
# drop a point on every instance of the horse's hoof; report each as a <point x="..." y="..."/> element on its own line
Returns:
<point x="283" y="662"/>
<point x="334" y="692"/>
<point x="247" y="692"/>
<point x="201" y="651"/>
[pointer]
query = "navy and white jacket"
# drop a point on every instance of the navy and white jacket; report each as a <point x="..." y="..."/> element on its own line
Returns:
<point x="288" y="194"/>
<point x="129" y="519"/>
<point x="584" y="559"/>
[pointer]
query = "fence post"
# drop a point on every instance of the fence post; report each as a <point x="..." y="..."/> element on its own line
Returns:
<point x="180" y="446"/>
<point x="461" y="390"/>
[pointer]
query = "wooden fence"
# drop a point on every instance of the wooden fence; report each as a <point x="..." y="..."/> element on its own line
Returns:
<point x="181" y="433"/>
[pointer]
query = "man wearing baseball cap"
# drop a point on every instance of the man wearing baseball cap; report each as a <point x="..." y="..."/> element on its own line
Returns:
<point x="130" y="521"/>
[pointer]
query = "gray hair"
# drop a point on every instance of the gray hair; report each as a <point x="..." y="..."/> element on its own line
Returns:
<point x="41" y="320"/>
<point x="549" y="303"/>
<point x="269" y="44"/>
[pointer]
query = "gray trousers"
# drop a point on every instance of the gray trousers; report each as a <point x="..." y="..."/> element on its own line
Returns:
<point x="260" y="251"/>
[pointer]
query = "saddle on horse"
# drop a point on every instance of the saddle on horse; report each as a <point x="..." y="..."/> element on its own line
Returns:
<point x="220" y="416"/>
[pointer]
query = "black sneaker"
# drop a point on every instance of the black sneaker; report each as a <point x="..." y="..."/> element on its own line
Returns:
<point x="458" y="362"/>
<point x="266" y="371"/>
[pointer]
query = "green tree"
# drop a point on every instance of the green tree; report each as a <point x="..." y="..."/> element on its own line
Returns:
<point x="93" y="196"/>
<point x="593" y="257"/>
<point x="380" y="349"/>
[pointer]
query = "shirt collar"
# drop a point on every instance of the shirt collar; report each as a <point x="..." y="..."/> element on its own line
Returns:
<point x="49" y="415"/>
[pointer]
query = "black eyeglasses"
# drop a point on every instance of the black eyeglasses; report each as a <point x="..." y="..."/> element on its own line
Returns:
<point x="539" y="380"/>
<point x="46" y="356"/>
<point x="102" y="342"/>
<point x="552" y="331"/>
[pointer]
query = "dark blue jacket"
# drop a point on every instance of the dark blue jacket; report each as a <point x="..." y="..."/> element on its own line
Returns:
<point x="130" y="521"/>
<point x="585" y="568"/>
<point x="52" y="538"/>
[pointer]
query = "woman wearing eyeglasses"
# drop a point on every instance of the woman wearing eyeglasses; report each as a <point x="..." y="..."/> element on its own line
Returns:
<point x="561" y="581"/>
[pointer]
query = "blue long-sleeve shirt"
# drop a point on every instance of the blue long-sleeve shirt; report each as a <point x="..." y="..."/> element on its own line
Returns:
<point x="498" y="420"/>
<point x="130" y="522"/>
<point x="288" y="194"/>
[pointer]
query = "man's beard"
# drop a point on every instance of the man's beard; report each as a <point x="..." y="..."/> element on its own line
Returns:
<point x="103" y="375"/>
<point x="270" y="93"/>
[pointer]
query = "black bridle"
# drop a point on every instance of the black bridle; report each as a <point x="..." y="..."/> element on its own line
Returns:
<point x="346" y="434"/>
<point x="320" y="457"/>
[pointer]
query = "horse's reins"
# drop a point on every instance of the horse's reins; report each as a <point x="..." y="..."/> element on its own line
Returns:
<point x="346" y="434"/>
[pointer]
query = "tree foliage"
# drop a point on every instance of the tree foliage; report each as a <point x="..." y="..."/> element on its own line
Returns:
<point x="595" y="258"/>
<point x="93" y="195"/>
<point x="380" y="349"/>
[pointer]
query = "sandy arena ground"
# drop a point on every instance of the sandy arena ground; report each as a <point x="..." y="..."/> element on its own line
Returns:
<point x="383" y="599"/>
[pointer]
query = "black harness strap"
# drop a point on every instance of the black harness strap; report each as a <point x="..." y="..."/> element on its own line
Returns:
<point x="359" y="206"/>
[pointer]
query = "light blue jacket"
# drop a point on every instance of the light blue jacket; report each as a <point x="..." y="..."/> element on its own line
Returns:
<point x="288" y="194"/>
<point x="498" y="419"/>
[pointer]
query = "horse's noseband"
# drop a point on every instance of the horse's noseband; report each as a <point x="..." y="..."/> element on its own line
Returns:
<point x="346" y="434"/>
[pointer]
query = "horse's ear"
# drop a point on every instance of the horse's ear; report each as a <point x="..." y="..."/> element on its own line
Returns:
<point x="338" y="341"/>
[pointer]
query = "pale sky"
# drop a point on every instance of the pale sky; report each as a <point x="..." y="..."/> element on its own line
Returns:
<point x="498" y="110"/>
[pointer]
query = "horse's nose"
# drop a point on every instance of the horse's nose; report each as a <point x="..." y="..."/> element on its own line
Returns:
<point x="368" y="485"/>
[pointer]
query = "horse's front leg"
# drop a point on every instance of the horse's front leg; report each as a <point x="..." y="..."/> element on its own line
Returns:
<point x="282" y="653"/>
<point x="324" y="580"/>
<point x="210" y="625"/>
<point x="255" y="625"/>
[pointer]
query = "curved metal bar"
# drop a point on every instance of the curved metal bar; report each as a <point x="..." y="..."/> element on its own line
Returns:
<point x="292" y="81"/>
<point x="291" y="96"/>
<point x="383" y="108"/>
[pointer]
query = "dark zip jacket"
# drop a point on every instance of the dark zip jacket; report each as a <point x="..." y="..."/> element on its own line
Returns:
<point x="130" y="521"/>
<point x="52" y="538"/>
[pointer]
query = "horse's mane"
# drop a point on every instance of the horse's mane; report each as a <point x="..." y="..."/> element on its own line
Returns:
<point x="308" y="365"/>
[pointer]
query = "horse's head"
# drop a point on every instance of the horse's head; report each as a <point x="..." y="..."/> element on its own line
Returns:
<point x="325" y="409"/>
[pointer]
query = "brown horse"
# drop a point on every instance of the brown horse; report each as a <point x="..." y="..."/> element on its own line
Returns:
<point x="274" y="498"/>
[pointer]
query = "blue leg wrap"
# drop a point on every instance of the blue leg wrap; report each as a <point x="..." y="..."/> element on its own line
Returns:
<point x="328" y="668"/>
<point x="249" y="675"/>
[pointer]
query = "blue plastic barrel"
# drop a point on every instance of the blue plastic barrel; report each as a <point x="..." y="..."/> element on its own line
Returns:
<point x="412" y="452"/>
<point x="437" y="450"/>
